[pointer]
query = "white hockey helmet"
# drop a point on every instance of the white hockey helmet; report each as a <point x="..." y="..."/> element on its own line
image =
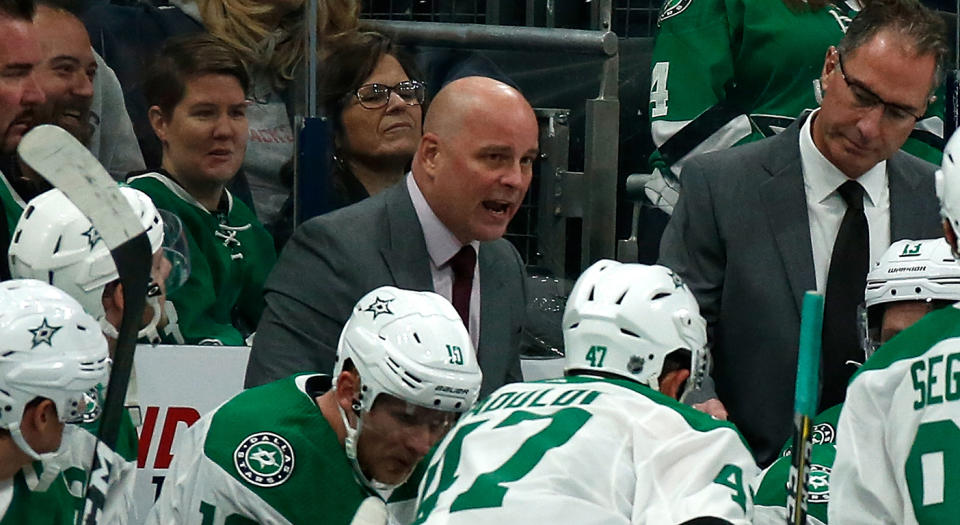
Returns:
<point x="923" y="270"/>
<point x="624" y="319"/>
<point x="56" y="243"/>
<point x="412" y="346"/>
<point x="49" y="348"/>
<point x="948" y="184"/>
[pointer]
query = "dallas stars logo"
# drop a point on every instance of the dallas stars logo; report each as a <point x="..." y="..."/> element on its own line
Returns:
<point x="672" y="8"/>
<point x="379" y="306"/>
<point x="819" y="484"/>
<point x="43" y="333"/>
<point x="264" y="459"/>
<point x="823" y="433"/>
<point x="92" y="235"/>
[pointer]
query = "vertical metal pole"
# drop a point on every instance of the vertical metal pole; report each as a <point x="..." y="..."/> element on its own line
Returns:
<point x="601" y="15"/>
<point x="601" y="155"/>
<point x="311" y="56"/>
<point x="551" y="14"/>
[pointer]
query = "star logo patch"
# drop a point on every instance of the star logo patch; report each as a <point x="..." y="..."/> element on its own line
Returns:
<point x="92" y="235"/>
<point x="264" y="459"/>
<point x="379" y="306"/>
<point x="43" y="334"/>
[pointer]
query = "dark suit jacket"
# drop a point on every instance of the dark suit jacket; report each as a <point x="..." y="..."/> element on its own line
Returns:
<point x="331" y="261"/>
<point x="740" y="237"/>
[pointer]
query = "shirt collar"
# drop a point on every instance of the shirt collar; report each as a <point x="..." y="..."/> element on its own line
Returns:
<point x="822" y="178"/>
<point x="442" y="244"/>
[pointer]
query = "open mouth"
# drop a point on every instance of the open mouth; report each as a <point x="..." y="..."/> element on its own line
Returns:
<point x="496" y="206"/>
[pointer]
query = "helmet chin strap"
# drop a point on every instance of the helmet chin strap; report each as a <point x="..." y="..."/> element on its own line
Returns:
<point x="350" y="446"/>
<point x="21" y="442"/>
<point x="148" y="332"/>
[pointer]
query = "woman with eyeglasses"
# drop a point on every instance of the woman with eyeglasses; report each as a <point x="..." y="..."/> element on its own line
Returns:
<point x="371" y="93"/>
<point x="197" y="91"/>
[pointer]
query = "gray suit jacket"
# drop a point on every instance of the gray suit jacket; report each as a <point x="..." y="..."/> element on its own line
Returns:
<point x="331" y="261"/>
<point x="740" y="237"/>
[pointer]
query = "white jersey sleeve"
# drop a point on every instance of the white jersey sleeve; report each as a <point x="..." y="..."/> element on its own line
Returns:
<point x="197" y="491"/>
<point x="898" y="447"/>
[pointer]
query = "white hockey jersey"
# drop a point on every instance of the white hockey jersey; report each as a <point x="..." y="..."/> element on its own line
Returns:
<point x="898" y="439"/>
<point x="586" y="450"/>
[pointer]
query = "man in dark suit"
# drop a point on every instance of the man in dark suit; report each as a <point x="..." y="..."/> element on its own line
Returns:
<point x="758" y="225"/>
<point x="469" y="176"/>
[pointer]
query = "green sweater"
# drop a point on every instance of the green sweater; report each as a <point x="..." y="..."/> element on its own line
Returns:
<point x="230" y="256"/>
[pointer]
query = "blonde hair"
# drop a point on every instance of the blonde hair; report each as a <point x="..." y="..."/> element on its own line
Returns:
<point x="240" y="24"/>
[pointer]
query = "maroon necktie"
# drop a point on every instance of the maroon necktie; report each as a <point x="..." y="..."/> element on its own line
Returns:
<point x="462" y="265"/>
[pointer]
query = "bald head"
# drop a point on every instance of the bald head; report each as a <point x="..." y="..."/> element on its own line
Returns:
<point x="476" y="97"/>
<point x="475" y="160"/>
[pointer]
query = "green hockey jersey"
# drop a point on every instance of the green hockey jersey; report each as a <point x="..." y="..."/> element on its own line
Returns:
<point x="770" y="501"/>
<point x="51" y="491"/>
<point x="726" y="72"/>
<point x="231" y="254"/>
<point x="898" y="439"/>
<point x="266" y="456"/>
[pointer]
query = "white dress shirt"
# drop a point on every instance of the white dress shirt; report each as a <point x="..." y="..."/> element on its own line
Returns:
<point x="442" y="244"/>
<point x="825" y="206"/>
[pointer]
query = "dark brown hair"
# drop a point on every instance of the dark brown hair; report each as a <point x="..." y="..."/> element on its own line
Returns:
<point x="924" y="29"/>
<point x="349" y="61"/>
<point x="19" y="9"/>
<point x="187" y="57"/>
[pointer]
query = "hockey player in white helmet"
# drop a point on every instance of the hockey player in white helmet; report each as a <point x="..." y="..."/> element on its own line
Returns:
<point x="898" y="430"/>
<point x="311" y="448"/>
<point x="601" y="445"/>
<point x="52" y="355"/>
<point x="911" y="279"/>
<point x="55" y="242"/>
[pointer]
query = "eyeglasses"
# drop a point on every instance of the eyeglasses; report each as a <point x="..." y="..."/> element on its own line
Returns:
<point x="375" y="96"/>
<point x="864" y="98"/>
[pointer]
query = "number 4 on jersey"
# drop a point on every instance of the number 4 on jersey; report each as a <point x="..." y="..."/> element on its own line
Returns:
<point x="732" y="476"/>
<point x="658" y="89"/>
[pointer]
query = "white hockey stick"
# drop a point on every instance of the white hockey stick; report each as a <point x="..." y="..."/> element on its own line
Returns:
<point x="70" y="167"/>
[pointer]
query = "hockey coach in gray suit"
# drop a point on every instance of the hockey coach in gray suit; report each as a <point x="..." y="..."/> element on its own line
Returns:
<point x="440" y="229"/>
<point x="809" y="209"/>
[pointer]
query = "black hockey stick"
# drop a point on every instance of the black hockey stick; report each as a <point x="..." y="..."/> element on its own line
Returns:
<point x="67" y="164"/>
<point x="805" y="406"/>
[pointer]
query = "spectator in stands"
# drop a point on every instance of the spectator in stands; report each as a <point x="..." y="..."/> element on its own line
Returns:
<point x="269" y="37"/>
<point x="440" y="230"/>
<point x="19" y="97"/>
<point x="83" y="95"/>
<point x="197" y="94"/>
<point x="372" y="93"/>
<point x="809" y="209"/>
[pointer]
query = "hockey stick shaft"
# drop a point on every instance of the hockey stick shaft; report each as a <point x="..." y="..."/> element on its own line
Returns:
<point x="805" y="405"/>
<point x="58" y="157"/>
